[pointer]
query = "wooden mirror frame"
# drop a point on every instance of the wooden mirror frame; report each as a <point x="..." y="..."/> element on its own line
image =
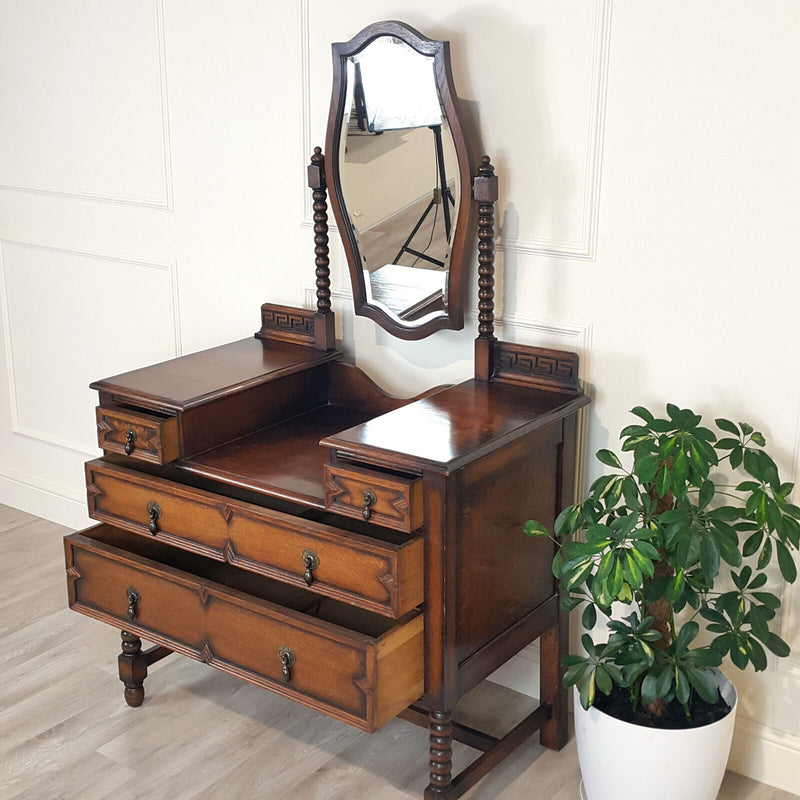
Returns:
<point x="452" y="316"/>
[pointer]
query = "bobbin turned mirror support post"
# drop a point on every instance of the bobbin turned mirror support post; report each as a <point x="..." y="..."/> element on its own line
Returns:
<point x="324" y="329"/>
<point x="484" y="191"/>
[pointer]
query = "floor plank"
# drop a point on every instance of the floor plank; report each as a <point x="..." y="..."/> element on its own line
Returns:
<point x="66" y="733"/>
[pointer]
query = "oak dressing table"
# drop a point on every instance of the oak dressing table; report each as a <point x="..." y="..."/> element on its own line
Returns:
<point x="265" y="508"/>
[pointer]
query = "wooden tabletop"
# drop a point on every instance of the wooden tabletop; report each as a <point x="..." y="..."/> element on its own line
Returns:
<point x="187" y="381"/>
<point x="451" y="427"/>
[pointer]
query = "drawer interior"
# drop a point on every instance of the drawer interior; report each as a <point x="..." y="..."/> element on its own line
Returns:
<point x="305" y="602"/>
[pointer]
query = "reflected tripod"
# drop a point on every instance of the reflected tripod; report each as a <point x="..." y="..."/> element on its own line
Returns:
<point x="441" y="196"/>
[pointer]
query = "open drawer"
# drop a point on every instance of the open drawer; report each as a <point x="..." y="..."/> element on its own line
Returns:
<point x="370" y="567"/>
<point x="353" y="665"/>
<point x="148" y="437"/>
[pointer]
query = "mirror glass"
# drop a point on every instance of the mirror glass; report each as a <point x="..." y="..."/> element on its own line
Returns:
<point x="394" y="126"/>
<point x="397" y="178"/>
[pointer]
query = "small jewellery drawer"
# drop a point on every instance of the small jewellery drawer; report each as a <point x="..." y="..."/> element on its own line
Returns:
<point x="353" y="665"/>
<point x="380" y="572"/>
<point x="381" y="498"/>
<point x="143" y="436"/>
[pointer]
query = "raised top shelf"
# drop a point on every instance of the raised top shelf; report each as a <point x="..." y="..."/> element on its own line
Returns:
<point x="181" y="383"/>
<point x="448" y="429"/>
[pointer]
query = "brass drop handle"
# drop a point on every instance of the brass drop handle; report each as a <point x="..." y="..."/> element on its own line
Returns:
<point x="287" y="658"/>
<point x="369" y="500"/>
<point x="130" y="441"/>
<point x="154" y="513"/>
<point x="311" y="562"/>
<point x="133" y="600"/>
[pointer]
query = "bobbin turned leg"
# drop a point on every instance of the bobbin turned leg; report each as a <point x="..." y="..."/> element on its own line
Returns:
<point x="441" y="755"/>
<point x="132" y="668"/>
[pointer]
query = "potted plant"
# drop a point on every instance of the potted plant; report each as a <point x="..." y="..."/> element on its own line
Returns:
<point x="680" y="559"/>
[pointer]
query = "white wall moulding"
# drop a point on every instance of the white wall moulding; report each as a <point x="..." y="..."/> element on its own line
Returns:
<point x="766" y="755"/>
<point x="544" y="128"/>
<point x="88" y="114"/>
<point x="69" y="317"/>
<point x="64" y="504"/>
<point x="790" y="602"/>
<point x="587" y="208"/>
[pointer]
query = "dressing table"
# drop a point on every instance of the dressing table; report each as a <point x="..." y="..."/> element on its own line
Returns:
<point x="265" y="508"/>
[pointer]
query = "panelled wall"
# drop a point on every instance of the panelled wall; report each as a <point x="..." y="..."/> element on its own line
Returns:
<point x="152" y="170"/>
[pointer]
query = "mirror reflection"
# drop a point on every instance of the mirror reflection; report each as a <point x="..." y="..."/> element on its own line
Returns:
<point x="399" y="177"/>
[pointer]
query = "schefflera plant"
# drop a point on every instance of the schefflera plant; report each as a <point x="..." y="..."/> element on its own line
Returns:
<point x="680" y="545"/>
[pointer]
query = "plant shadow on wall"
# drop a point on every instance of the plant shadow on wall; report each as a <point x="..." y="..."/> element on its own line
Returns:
<point x="694" y="534"/>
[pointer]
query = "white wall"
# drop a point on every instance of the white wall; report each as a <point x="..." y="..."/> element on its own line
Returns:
<point x="152" y="173"/>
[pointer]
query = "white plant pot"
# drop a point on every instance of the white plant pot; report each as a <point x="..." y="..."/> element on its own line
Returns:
<point x="622" y="761"/>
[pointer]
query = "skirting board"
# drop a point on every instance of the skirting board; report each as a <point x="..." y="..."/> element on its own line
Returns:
<point x="28" y="494"/>
<point x="766" y="755"/>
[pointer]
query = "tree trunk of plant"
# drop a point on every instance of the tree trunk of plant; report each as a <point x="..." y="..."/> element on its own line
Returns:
<point x="660" y="609"/>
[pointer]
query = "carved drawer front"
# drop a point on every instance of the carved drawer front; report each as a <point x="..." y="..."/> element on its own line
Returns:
<point x="378" y="497"/>
<point x="353" y="665"/>
<point x="380" y="572"/>
<point x="144" y="436"/>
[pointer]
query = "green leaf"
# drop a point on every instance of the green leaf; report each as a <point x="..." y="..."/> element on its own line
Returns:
<point x="603" y="680"/>
<point x="753" y="465"/>
<point x="643" y="413"/>
<point x="765" y="556"/>
<point x="726" y="444"/>
<point x="632" y="571"/>
<point x="777" y="645"/>
<point x="533" y="528"/>
<point x="664" y="681"/>
<point x="767" y="599"/>
<point x="686" y="635"/>
<point x="605" y="565"/>
<point x="675" y="588"/>
<point x="650" y="689"/>
<point x="752" y="543"/>
<point x="706" y="494"/>
<point x="608" y="458"/>
<point x="786" y="562"/>
<point x="736" y="456"/>
<point x="703" y="682"/>
<point x="682" y="687"/>
<point x="567" y="521"/>
<point x="645" y="468"/>
<point x="727" y="425"/>
<point x="758" y="658"/>
<point x="758" y="622"/>
<point x="574" y="673"/>
<point x="589" y="617"/>
<point x="645" y="564"/>
<point x="709" y="557"/>
<point x="587" y="691"/>
<point x="578" y="576"/>
<point x="759" y="439"/>
<point x="615" y="579"/>
<point x="663" y="480"/>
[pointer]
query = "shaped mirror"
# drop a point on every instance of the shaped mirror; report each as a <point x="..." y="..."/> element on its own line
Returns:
<point x="398" y="173"/>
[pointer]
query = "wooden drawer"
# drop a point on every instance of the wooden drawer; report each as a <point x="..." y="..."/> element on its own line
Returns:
<point x="382" y="498"/>
<point x="353" y="665"/>
<point x="380" y="572"/>
<point x="133" y="433"/>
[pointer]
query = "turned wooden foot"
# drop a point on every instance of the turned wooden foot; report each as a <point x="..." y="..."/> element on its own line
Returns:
<point x="133" y="664"/>
<point x="440" y="751"/>
<point x="132" y="668"/>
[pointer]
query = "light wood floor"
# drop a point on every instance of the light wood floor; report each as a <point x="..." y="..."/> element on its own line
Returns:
<point x="66" y="733"/>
